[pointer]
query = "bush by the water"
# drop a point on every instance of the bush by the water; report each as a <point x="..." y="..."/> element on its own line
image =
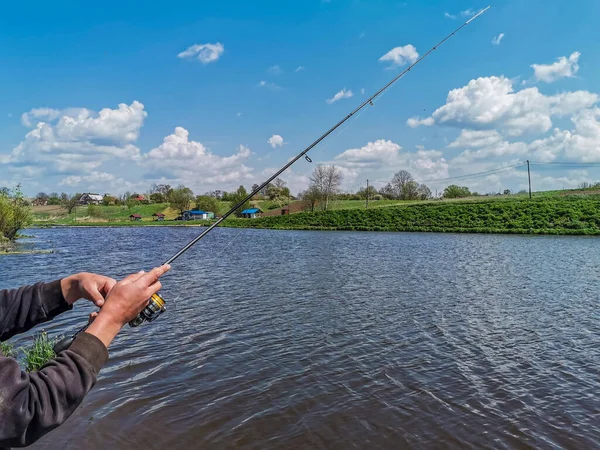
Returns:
<point x="566" y="215"/>
<point x="14" y="214"/>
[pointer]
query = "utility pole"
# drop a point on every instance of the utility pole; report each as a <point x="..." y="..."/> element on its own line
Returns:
<point x="367" y="206"/>
<point x="529" y="177"/>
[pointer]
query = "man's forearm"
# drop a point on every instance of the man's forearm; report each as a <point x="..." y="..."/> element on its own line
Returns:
<point x="25" y="307"/>
<point x="34" y="404"/>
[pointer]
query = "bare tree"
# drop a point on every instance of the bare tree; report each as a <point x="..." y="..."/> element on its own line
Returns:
<point x="326" y="180"/>
<point x="402" y="185"/>
<point x="423" y="192"/>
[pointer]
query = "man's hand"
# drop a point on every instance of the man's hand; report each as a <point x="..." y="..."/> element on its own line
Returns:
<point x="90" y="286"/>
<point x="124" y="302"/>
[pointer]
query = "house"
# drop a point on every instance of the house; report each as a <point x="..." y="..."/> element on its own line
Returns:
<point x="158" y="216"/>
<point x="139" y="198"/>
<point x="285" y="210"/>
<point x="90" y="199"/>
<point x="195" y="214"/>
<point x="135" y="217"/>
<point x="251" y="213"/>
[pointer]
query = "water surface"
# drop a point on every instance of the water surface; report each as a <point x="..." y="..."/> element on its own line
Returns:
<point x="337" y="340"/>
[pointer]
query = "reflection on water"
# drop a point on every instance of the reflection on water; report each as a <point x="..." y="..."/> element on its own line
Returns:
<point x="339" y="340"/>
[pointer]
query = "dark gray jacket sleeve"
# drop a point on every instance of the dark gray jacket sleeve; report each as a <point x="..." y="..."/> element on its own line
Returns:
<point x="32" y="404"/>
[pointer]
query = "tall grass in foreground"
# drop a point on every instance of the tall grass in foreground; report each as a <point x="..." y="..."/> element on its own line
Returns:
<point x="40" y="352"/>
<point x="34" y="357"/>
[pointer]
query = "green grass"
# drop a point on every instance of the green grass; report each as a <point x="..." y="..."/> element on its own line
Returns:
<point x="8" y="349"/>
<point x="34" y="357"/>
<point x="40" y="352"/>
<point x="551" y="215"/>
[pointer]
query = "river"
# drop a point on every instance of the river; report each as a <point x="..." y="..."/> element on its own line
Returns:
<point x="338" y="340"/>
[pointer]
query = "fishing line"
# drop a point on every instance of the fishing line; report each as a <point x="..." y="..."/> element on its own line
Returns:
<point x="156" y="304"/>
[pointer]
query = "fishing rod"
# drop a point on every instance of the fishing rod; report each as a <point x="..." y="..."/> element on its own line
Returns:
<point x="156" y="304"/>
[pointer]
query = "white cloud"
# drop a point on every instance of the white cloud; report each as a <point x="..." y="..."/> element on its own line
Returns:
<point x="99" y="180"/>
<point x="28" y="118"/>
<point x="449" y="16"/>
<point x="76" y="140"/>
<point x="362" y="91"/>
<point x="299" y="68"/>
<point x="189" y="162"/>
<point x="238" y="114"/>
<point x="268" y="85"/>
<point x="414" y="122"/>
<point x="467" y="12"/>
<point x="385" y="157"/>
<point x="491" y="102"/>
<point x="275" y="70"/>
<point x="205" y="53"/>
<point x="562" y="68"/>
<point x="276" y="141"/>
<point x="399" y="56"/>
<point x="496" y="40"/>
<point x="581" y="143"/>
<point x="340" y="95"/>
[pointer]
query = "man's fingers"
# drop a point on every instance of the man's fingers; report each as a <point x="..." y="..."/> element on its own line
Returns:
<point x="134" y="276"/>
<point x="97" y="298"/>
<point x="151" y="277"/>
<point x="108" y="285"/>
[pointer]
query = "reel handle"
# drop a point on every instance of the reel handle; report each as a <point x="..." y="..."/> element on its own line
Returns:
<point x="154" y="308"/>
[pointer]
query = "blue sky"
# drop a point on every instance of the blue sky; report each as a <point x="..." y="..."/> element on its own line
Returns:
<point x="214" y="116"/>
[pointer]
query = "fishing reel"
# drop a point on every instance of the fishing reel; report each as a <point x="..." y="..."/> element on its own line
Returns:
<point x="154" y="308"/>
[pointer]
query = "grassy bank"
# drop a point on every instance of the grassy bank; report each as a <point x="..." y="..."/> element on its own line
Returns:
<point x="558" y="215"/>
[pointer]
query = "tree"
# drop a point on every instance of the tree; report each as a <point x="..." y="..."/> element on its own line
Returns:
<point x="423" y="192"/>
<point x="310" y="198"/>
<point x="180" y="198"/>
<point x="131" y="202"/>
<point x="387" y="191"/>
<point x="362" y="193"/>
<point x="454" y="191"/>
<point x="506" y="192"/>
<point x="109" y="200"/>
<point x="162" y="190"/>
<point x="70" y="202"/>
<point x="14" y="213"/>
<point x="54" y="199"/>
<point x="403" y="185"/>
<point x="326" y="180"/>
<point x="41" y="198"/>
<point x="237" y="197"/>
<point x="206" y="203"/>
<point x="157" y="197"/>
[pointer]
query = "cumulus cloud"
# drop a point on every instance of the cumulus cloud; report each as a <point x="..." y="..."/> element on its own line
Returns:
<point x="386" y="157"/>
<point x="563" y="68"/>
<point x="76" y="140"/>
<point x="492" y="102"/>
<point x="580" y="143"/>
<point x="28" y="118"/>
<point x="467" y="12"/>
<point x="299" y="68"/>
<point x="400" y="56"/>
<point x="275" y="141"/>
<point x="496" y="40"/>
<point x="190" y="162"/>
<point x="449" y="16"/>
<point x="275" y="70"/>
<point x="205" y="53"/>
<point x="99" y="180"/>
<point x="340" y="95"/>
